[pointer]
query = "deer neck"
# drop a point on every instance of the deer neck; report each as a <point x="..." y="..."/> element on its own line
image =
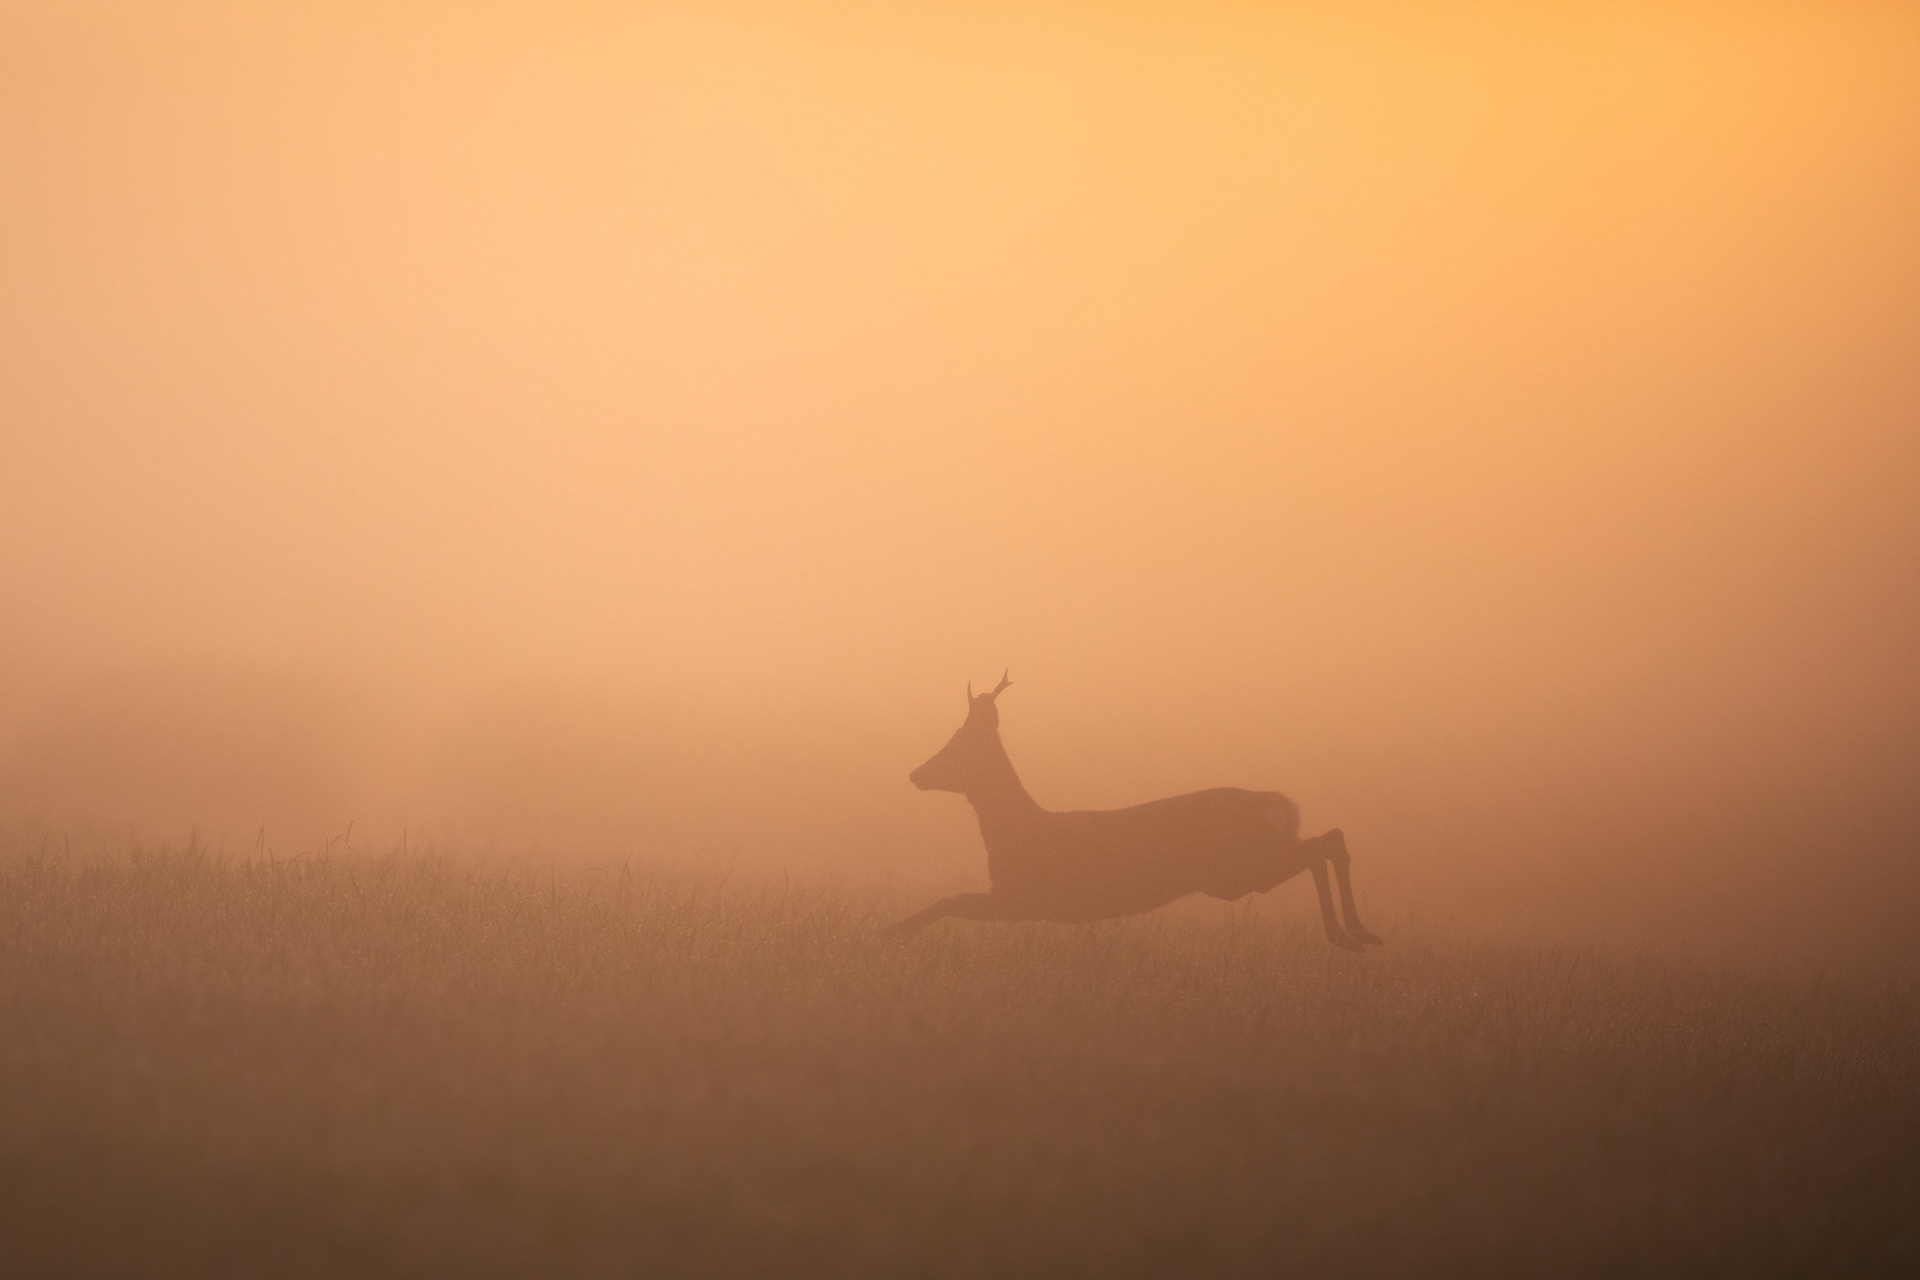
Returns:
<point x="998" y="798"/>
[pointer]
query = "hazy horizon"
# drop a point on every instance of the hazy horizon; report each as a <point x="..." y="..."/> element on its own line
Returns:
<point x="589" y="431"/>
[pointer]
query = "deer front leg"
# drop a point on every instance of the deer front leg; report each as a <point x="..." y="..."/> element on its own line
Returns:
<point x="964" y="906"/>
<point x="1336" y="846"/>
<point x="1335" y="934"/>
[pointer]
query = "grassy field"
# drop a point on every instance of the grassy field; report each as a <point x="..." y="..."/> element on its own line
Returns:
<point x="363" y="1065"/>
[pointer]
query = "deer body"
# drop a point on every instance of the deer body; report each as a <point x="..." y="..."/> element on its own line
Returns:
<point x="1098" y="864"/>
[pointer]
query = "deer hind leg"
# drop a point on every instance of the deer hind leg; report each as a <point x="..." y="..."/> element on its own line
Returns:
<point x="964" y="906"/>
<point x="1336" y="853"/>
<point x="1335" y="934"/>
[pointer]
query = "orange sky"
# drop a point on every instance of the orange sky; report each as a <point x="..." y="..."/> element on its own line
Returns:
<point x="1385" y="405"/>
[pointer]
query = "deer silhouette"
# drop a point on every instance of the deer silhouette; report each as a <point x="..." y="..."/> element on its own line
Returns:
<point x="1099" y="864"/>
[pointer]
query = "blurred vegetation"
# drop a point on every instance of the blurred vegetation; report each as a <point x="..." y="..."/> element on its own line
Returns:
<point x="353" y="1063"/>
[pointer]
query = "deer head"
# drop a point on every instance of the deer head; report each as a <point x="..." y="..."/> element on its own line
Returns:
<point x="973" y="757"/>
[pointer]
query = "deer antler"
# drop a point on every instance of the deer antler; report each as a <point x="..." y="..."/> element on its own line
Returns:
<point x="1004" y="682"/>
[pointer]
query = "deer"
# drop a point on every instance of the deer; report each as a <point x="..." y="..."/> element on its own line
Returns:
<point x="1083" y="865"/>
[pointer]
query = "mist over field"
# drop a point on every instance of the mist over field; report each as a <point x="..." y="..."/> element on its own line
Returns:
<point x="590" y="430"/>
<point x="601" y="443"/>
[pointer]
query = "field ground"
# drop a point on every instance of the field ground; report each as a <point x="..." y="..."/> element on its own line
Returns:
<point x="374" y="1066"/>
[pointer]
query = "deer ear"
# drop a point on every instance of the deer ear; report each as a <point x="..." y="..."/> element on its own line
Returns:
<point x="969" y="693"/>
<point x="997" y="689"/>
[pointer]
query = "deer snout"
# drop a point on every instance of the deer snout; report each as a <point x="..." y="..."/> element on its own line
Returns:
<point x="919" y="778"/>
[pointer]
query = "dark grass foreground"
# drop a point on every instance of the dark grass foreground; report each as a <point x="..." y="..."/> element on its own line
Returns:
<point x="362" y="1066"/>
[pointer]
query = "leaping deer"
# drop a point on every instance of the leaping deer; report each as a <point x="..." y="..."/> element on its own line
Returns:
<point x="1098" y="864"/>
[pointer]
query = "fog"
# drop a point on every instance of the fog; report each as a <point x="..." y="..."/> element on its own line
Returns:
<point x="593" y="434"/>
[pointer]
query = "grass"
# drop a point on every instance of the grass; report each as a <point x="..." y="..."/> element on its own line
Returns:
<point x="363" y="1065"/>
